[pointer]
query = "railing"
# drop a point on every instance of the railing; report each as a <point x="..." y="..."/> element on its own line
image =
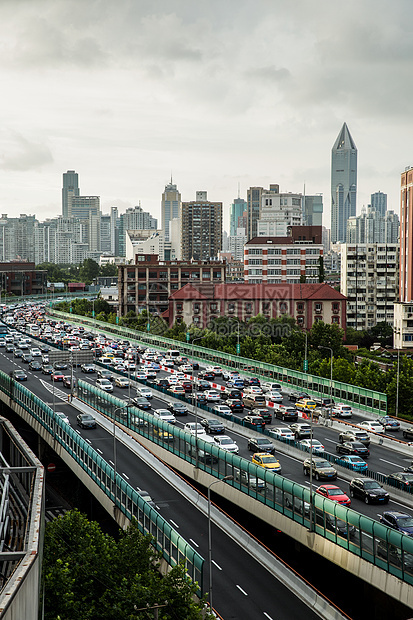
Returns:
<point x="368" y="539"/>
<point x="361" y="398"/>
<point x="173" y="547"/>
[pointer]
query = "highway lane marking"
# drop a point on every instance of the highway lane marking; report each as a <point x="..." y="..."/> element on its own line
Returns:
<point x="100" y="451"/>
<point x="174" y="524"/>
<point x="241" y="590"/>
<point x="389" y="462"/>
<point x="112" y="463"/>
<point x="215" y="564"/>
<point x="267" y="616"/>
<point x="125" y="476"/>
<point x="88" y="440"/>
<point x="193" y="542"/>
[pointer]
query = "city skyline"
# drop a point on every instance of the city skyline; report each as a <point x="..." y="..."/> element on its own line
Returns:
<point x="220" y="101"/>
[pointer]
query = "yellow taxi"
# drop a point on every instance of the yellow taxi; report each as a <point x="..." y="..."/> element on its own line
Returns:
<point x="266" y="460"/>
<point x="161" y="434"/>
<point x="305" y="403"/>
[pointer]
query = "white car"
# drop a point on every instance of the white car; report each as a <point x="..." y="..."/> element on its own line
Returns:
<point x="372" y="425"/>
<point x="212" y="395"/>
<point x="144" y="392"/>
<point x="140" y="375"/>
<point x="253" y="389"/>
<point x="122" y="382"/>
<point x="167" y="363"/>
<point x="194" y="428"/>
<point x="223" y="410"/>
<point x="177" y="389"/>
<point x="342" y="411"/>
<point x="62" y="416"/>
<point x="186" y="368"/>
<point x="104" y="384"/>
<point x="274" y="397"/>
<point x="165" y="416"/>
<point x="282" y="433"/>
<point x="226" y="443"/>
<point x="36" y="353"/>
<point x="180" y="376"/>
<point x="317" y="445"/>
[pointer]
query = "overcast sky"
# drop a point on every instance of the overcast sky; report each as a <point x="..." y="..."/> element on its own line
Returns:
<point x="220" y="93"/>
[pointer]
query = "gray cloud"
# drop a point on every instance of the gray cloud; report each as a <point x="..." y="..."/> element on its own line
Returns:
<point x="20" y="154"/>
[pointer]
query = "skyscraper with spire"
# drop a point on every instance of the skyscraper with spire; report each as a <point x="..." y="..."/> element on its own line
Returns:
<point x="170" y="206"/>
<point x="343" y="184"/>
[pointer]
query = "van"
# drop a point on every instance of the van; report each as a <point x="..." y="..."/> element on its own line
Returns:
<point x="271" y="387"/>
<point x="173" y="353"/>
<point x="253" y="401"/>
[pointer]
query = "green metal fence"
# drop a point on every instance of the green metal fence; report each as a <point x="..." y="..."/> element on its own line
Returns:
<point x="382" y="546"/>
<point x="173" y="547"/>
<point x="361" y="398"/>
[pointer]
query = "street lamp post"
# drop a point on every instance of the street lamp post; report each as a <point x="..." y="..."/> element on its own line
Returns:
<point x="194" y="402"/>
<point x="114" y="450"/>
<point x="210" y="535"/>
<point x="397" y="331"/>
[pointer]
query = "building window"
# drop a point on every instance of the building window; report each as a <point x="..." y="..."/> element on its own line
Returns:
<point x="248" y="307"/>
<point x="318" y="307"/>
<point x="196" y="308"/>
<point x="335" y="320"/>
<point x="283" y="307"/>
<point x="300" y="307"/>
<point x="231" y="308"/>
<point x="179" y="307"/>
<point x="318" y="318"/>
<point x="256" y="251"/>
<point x="214" y="307"/>
<point x="274" y="251"/>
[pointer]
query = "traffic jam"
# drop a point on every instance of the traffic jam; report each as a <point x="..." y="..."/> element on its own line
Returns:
<point x="168" y="385"/>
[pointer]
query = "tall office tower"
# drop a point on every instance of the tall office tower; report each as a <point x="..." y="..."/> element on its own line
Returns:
<point x="81" y="206"/>
<point x="236" y="210"/>
<point x="170" y="207"/>
<point x="70" y="189"/>
<point x="114" y="231"/>
<point x="201" y="228"/>
<point x="137" y="219"/>
<point x="379" y="203"/>
<point x="254" y="202"/>
<point x="343" y="184"/>
<point x="105" y="233"/>
<point x="313" y="210"/>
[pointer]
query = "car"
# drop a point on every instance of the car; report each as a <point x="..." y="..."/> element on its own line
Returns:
<point x="266" y="460"/>
<point x="231" y="394"/>
<point x="9" y="348"/>
<point x="178" y="408"/>
<point x="253" y="389"/>
<point x="103" y="373"/>
<point x="186" y="368"/>
<point x="17" y="352"/>
<point x="200" y="398"/>
<point x="368" y="490"/>
<point x="62" y="416"/>
<point x="342" y="411"/>
<point x="212" y="395"/>
<point x="162" y="383"/>
<point x="353" y="462"/>
<point x="85" y="420"/>
<point x="320" y="467"/>
<point x="27" y="358"/>
<point x="148" y="499"/>
<point x="235" y="383"/>
<point x="401" y="521"/>
<point x="283" y="433"/>
<point x="141" y="403"/>
<point x="265" y="414"/>
<point x="395" y="556"/>
<point x="177" y="389"/>
<point x="227" y="443"/>
<point x="140" y="375"/>
<point x="195" y="428"/>
<point x="323" y="401"/>
<point x="60" y="366"/>
<point x="390" y="424"/>
<point x="163" y="435"/>
<point x="330" y="491"/>
<point x="295" y="396"/>
<point x="67" y="381"/>
<point x="274" y="397"/>
<point x="104" y="384"/>
<point x="254" y="381"/>
<point x="311" y="445"/>
<point x="253" y="421"/>
<point x="244" y="478"/>
<point x="223" y="410"/>
<point x="35" y="352"/>
<point x="57" y="375"/>
<point x="372" y="426"/>
<point x="19" y="375"/>
<point x="122" y="382"/>
<point x="35" y="365"/>
<point x="330" y="522"/>
<point x="47" y="369"/>
<point x="145" y="392"/>
<point x="286" y="413"/>
<point x="165" y="415"/>
<point x="207" y="376"/>
<point x="228" y="375"/>
<point x="212" y="426"/>
<point x="187" y="385"/>
<point x="260" y="444"/>
<point x="401" y="479"/>
<point x="301" y="430"/>
<point x="353" y="447"/>
<point x="235" y="405"/>
<point x="203" y="385"/>
<point x="305" y="404"/>
<point x="354" y="434"/>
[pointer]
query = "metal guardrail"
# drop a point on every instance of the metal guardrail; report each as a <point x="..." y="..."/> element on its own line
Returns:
<point x="361" y="398"/>
<point x="382" y="546"/>
<point x="173" y="547"/>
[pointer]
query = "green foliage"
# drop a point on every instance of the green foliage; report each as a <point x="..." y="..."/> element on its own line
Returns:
<point x="89" y="270"/>
<point x="86" y="272"/>
<point x="89" y="575"/>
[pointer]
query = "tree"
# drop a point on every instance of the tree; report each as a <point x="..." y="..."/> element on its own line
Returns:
<point x="321" y="274"/>
<point x="89" y="270"/>
<point x="88" y="574"/>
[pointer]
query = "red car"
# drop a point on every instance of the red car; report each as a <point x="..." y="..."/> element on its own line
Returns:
<point x="57" y="376"/>
<point x="330" y="491"/>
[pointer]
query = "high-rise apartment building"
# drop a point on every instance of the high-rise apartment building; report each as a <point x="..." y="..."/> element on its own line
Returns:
<point x="70" y="189"/>
<point x="201" y="228"/>
<point x="278" y="212"/>
<point x="406" y="236"/>
<point x="343" y="184"/>
<point x="254" y="202"/>
<point x="369" y="280"/>
<point x="372" y="227"/>
<point x="170" y="207"/>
